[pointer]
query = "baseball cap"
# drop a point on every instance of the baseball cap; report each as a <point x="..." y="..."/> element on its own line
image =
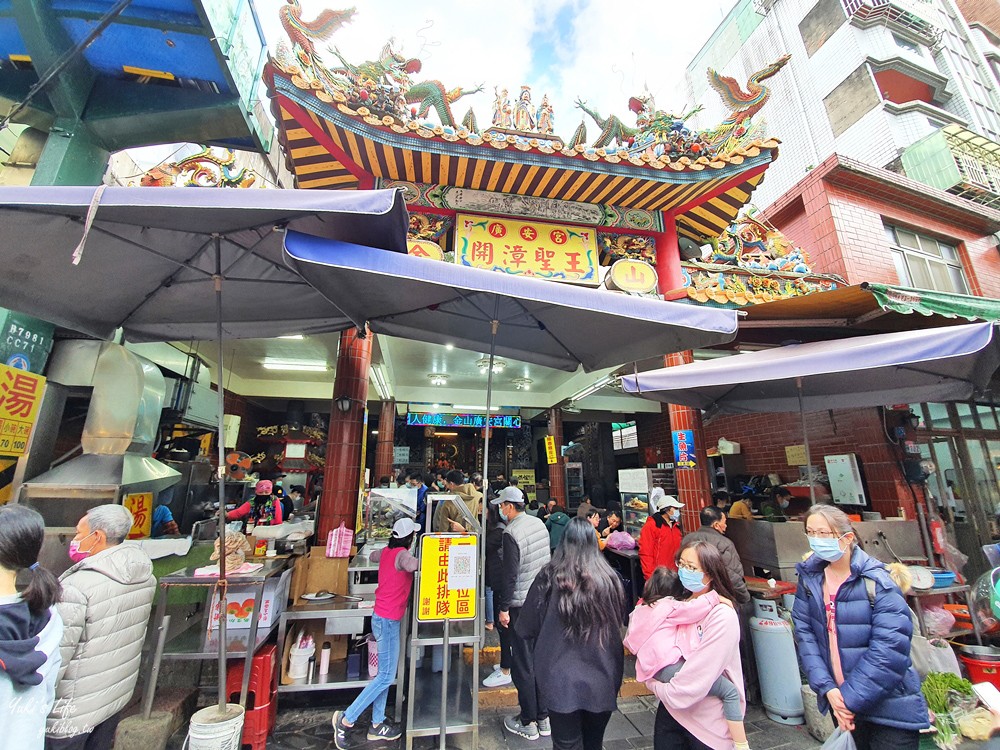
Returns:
<point x="403" y="528"/>
<point x="509" y="495"/>
<point x="659" y="500"/>
<point x="264" y="487"/>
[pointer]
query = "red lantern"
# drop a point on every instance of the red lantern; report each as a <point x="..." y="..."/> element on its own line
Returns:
<point x="364" y="95"/>
<point x="696" y="147"/>
<point x="413" y="111"/>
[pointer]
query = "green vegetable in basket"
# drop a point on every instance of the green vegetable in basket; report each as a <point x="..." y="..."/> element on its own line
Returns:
<point x="939" y="688"/>
<point x="937" y="685"/>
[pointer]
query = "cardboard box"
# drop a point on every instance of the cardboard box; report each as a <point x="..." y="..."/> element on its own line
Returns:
<point x="240" y="604"/>
<point x="317" y="572"/>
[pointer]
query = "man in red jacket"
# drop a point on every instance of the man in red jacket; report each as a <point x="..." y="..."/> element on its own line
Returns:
<point x="660" y="538"/>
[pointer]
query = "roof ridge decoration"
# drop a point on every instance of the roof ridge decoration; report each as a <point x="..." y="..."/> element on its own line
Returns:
<point x="381" y="93"/>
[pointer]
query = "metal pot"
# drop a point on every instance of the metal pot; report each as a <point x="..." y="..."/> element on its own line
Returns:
<point x="981" y="653"/>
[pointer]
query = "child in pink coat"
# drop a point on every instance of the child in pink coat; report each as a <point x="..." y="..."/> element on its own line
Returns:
<point x="653" y="638"/>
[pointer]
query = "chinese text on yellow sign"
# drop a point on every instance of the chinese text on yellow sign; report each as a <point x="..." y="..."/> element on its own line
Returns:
<point x="140" y="504"/>
<point x="550" y="450"/>
<point x="20" y="396"/>
<point x="527" y="248"/>
<point x="448" y="573"/>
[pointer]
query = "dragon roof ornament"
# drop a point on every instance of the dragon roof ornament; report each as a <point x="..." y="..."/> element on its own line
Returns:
<point x="382" y="93"/>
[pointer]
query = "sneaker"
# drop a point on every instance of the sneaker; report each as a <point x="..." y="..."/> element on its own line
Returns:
<point x="513" y="725"/>
<point x="340" y="731"/>
<point x="497" y="679"/>
<point x="384" y="732"/>
<point x="544" y="727"/>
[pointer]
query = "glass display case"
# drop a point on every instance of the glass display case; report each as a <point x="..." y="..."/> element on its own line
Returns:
<point x="380" y="509"/>
<point x="635" y="510"/>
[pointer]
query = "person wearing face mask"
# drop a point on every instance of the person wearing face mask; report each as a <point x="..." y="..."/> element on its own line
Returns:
<point x="774" y="510"/>
<point x="525" y="550"/>
<point x="660" y="537"/>
<point x="853" y="632"/>
<point x="106" y="600"/>
<point x="689" y="717"/>
<point x="713" y="531"/>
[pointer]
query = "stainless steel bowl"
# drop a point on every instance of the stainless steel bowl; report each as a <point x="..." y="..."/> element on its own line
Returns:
<point x="981" y="653"/>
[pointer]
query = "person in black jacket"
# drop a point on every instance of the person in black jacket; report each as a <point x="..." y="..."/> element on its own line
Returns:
<point x="494" y="590"/>
<point x="573" y="615"/>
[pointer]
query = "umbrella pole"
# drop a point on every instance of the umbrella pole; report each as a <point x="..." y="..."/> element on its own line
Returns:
<point x="495" y="324"/>
<point x="805" y="443"/>
<point x="217" y="278"/>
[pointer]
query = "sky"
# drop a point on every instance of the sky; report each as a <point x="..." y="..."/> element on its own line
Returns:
<point x="593" y="49"/>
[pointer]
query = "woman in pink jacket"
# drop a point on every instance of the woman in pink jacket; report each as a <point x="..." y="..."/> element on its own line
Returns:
<point x="688" y="718"/>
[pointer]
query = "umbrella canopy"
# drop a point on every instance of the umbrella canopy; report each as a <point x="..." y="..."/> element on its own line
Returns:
<point x="545" y="323"/>
<point x="150" y="255"/>
<point x="941" y="364"/>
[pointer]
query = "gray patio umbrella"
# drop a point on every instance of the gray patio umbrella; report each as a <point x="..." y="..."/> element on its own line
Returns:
<point x="532" y="320"/>
<point x="939" y="364"/>
<point x="155" y="261"/>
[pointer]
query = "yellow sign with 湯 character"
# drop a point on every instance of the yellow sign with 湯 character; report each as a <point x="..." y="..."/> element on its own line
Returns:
<point x="556" y="252"/>
<point x="449" y="571"/>
<point x="20" y="396"/>
<point x="140" y="505"/>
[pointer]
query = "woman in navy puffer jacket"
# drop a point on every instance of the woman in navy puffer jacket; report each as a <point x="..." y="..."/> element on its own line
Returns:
<point x="856" y="651"/>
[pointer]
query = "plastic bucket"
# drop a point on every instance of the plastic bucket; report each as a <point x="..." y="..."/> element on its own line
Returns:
<point x="210" y="730"/>
<point x="298" y="661"/>
<point x="981" y="671"/>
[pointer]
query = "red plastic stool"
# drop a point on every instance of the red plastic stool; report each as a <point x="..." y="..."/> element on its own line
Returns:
<point x="263" y="685"/>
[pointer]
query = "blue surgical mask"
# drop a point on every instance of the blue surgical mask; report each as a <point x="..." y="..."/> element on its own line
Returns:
<point x="692" y="580"/>
<point x="503" y="516"/>
<point x="826" y="549"/>
<point x="673" y="514"/>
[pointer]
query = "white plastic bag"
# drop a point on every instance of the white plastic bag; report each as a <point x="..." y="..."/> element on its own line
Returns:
<point x="839" y="740"/>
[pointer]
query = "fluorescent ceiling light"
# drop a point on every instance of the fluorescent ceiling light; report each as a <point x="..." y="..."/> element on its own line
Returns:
<point x="593" y="388"/>
<point x="381" y="384"/>
<point x="466" y="407"/>
<point x="449" y="347"/>
<point x="445" y="434"/>
<point x="374" y="432"/>
<point x="300" y="365"/>
<point x="293" y="337"/>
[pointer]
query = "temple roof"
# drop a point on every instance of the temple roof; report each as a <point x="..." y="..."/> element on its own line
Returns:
<point x="333" y="143"/>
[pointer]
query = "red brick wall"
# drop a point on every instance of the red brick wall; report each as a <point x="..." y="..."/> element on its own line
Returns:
<point x="763" y="438"/>
<point x="843" y="231"/>
<point x="251" y="417"/>
<point x="986" y="12"/>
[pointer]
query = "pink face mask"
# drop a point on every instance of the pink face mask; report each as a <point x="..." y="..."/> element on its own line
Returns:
<point x="75" y="553"/>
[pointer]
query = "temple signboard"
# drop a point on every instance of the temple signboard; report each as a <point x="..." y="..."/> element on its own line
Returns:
<point x="556" y="252"/>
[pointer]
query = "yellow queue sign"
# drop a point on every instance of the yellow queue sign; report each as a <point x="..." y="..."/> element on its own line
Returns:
<point x="448" y="576"/>
<point x="20" y="396"/>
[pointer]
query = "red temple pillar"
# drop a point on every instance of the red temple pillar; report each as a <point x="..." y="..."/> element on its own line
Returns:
<point x="668" y="257"/>
<point x="342" y="479"/>
<point x="386" y="436"/>
<point x="557" y="473"/>
<point x="693" y="486"/>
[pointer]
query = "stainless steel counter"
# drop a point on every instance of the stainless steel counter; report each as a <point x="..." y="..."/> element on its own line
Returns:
<point x="778" y="547"/>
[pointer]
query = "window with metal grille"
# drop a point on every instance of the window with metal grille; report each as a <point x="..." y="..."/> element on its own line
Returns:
<point x="924" y="263"/>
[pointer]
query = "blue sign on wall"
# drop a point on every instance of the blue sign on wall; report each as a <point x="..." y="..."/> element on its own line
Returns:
<point x="684" y="456"/>
<point x="427" y="419"/>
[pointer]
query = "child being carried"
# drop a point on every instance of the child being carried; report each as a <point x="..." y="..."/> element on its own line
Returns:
<point x="652" y="637"/>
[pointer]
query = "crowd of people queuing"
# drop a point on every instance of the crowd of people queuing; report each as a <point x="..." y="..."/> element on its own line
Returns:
<point x="565" y="622"/>
<point x="70" y="647"/>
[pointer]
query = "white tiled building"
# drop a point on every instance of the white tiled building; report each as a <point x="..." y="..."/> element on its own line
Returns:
<point x="867" y="78"/>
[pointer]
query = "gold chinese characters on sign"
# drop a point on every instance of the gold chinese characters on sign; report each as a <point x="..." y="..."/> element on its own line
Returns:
<point x="20" y="396"/>
<point x="448" y="574"/>
<point x="555" y="252"/>
<point x="629" y="275"/>
<point x="424" y="249"/>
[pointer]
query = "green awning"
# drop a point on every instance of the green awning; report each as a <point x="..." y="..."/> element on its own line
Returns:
<point x="905" y="300"/>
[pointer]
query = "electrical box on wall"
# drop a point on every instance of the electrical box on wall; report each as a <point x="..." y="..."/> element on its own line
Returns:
<point x="231" y="429"/>
<point x="845" y="479"/>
